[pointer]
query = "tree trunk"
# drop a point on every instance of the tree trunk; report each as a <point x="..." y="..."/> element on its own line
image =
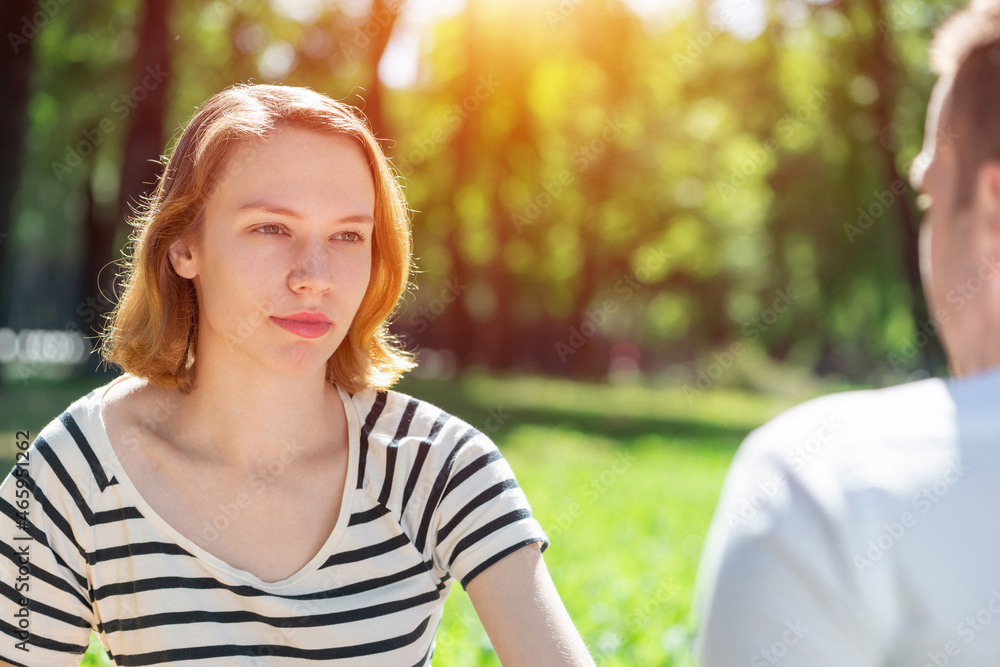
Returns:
<point x="15" y="69"/>
<point x="384" y="15"/>
<point x="883" y="72"/>
<point x="462" y="328"/>
<point x="146" y="102"/>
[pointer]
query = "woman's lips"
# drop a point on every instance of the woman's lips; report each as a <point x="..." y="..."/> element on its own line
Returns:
<point x="305" y="316"/>
<point x="306" y="329"/>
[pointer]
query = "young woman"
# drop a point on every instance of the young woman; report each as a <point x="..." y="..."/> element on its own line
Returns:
<point x="251" y="491"/>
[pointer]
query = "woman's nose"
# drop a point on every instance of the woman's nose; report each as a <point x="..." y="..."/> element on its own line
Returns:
<point x="311" y="270"/>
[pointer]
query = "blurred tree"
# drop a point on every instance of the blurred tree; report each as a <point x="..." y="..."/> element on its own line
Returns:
<point x="143" y="108"/>
<point x="18" y="25"/>
<point x="884" y="71"/>
<point x="383" y="15"/>
<point x="588" y="182"/>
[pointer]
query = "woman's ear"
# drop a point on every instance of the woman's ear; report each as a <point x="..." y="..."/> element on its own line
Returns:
<point x="182" y="259"/>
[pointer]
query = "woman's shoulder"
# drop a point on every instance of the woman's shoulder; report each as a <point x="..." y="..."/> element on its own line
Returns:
<point x="409" y="432"/>
<point x="398" y="415"/>
<point x="444" y="480"/>
<point x="121" y="398"/>
<point x="63" y="459"/>
<point x="73" y="426"/>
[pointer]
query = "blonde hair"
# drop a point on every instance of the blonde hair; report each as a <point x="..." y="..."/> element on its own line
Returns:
<point x="966" y="50"/>
<point x="153" y="330"/>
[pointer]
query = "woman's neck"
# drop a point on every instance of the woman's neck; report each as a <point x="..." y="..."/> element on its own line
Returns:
<point x="243" y="417"/>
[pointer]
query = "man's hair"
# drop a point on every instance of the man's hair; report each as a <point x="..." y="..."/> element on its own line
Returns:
<point x="153" y="330"/>
<point x="966" y="49"/>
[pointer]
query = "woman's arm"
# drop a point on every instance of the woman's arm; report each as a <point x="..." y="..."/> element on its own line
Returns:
<point x="520" y="608"/>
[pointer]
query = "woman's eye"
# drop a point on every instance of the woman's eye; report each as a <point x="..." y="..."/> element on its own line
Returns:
<point x="274" y="229"/>
<point x="357" y="237"/>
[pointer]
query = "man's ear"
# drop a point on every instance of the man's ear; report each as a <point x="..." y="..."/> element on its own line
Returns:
<point x="182" y="258"/>
<point x="988" y="195"/>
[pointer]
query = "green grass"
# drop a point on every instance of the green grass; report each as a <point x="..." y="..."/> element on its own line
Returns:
<point x="626" y="519"/>
<point x="624" y="480"/>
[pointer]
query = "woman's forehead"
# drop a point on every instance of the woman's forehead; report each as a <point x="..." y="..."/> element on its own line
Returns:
<point x="296" y="166"/>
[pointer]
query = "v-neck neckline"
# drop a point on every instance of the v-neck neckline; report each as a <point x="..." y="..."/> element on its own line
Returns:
<point x="108" y="454"/>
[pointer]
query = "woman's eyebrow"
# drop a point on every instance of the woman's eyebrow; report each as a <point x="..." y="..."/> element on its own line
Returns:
<point x="266" y="207"/>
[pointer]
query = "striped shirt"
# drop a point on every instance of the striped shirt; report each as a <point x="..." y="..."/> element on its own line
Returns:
<point x="429" y="500"/>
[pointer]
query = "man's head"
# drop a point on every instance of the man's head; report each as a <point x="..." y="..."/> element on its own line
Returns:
<point x="959" y="173"/>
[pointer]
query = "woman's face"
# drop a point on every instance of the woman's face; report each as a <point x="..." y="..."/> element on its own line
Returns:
<point x="287" y="230"/>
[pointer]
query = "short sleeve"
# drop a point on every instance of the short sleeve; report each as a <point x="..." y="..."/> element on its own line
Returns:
<point x="46" y="616"/>
<point x="483" y="514"/>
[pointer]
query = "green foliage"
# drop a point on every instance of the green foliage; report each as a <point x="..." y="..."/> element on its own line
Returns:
<point x="551" y="150"/>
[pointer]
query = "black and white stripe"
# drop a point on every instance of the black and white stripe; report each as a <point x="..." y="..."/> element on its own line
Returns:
<point x="433" y="502"/>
